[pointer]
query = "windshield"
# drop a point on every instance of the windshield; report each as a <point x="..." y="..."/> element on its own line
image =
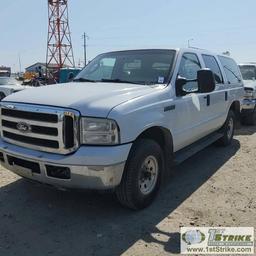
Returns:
<point x="248" y="72"/>
<point x="7" y="81"/>
<point x="144" y="67"/>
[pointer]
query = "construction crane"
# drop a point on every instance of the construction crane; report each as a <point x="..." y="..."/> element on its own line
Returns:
<point x="59" y="44"/>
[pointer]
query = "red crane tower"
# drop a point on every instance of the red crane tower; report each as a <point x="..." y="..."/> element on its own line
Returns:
<point x="59" y="47"/>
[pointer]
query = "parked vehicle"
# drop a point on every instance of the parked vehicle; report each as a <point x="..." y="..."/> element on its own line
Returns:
<point x="68" y="74"/>
<point x="5" y="71"/>
<point x="249" y="104"/>
<point x="124" y="121"/>
<point x="8" y="86"/>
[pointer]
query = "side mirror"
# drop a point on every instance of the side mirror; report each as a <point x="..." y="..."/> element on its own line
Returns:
<point x="180" y="82"/>
<point x="206" y="81"/>
<point x="181" y="90"/>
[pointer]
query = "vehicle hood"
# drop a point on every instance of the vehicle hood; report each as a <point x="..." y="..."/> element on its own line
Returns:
<point x="91" y="99"/>
<point x="250" y="84"/>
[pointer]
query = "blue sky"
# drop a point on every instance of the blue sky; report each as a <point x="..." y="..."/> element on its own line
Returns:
<point x="217" y="25"/>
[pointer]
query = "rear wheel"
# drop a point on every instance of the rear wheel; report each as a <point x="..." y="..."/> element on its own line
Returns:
<point x="228" y="130"/>
<point x="142" y="176"/>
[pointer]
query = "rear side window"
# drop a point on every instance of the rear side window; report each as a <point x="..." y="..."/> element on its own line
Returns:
<point x="231" y="70"/>
<point x="212" y="64"/>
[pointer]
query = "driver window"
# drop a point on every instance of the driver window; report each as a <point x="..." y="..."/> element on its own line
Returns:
<point x="188" y="69"/>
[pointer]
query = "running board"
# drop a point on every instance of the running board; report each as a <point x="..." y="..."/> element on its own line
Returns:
<point x="194" y="148"/>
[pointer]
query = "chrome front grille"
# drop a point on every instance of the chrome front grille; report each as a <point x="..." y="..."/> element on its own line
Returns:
<point x="42" y="128"/>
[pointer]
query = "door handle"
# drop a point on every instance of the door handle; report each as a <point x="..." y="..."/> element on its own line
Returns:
<point x="226" y="96"/>
<point x="208" y="100"/>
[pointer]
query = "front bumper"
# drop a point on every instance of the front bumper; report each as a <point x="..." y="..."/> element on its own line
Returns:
<point x="248" y="104"/>
<point x="88" y="167"/>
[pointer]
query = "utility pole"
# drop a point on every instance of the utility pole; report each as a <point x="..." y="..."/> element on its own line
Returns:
<point x="85" y="37"/>
<point x="19" y="64"/>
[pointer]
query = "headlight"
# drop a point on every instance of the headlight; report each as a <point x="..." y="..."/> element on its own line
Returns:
<point x="248" y="93"/>
<point x="96" y="131"/>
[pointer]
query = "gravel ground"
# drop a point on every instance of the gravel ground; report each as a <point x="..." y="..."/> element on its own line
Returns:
<point x="215" y="187"/>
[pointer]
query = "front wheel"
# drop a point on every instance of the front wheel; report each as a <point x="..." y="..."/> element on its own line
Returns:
<point x="228" y="130"/>
<point x="142" y="176"/>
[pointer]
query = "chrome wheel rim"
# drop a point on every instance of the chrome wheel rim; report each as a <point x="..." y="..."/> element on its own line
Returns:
<point x="230" y="128"/>
<point x="148" y="175"/>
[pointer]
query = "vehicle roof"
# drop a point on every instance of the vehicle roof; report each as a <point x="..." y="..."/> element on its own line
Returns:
<point x="247" y="64"/>
<point x="191" y="49"/>
<point x="202" y="51"/>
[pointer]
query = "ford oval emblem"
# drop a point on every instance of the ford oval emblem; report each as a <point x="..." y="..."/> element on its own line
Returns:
<point x="23" y="127"/>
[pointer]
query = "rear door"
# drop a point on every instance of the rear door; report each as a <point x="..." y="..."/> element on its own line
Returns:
<point x="217" y="101"/>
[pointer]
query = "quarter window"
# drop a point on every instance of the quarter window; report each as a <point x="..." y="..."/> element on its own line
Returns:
<point x="212" y="64"/>
<point x="231" y="70"/>
<point x="188" y="69"/>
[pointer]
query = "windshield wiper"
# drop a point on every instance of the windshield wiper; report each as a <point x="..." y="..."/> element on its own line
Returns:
<point x="84" y="80"/>
<point x="104" y="80"/>
<point x="119" y="81"/>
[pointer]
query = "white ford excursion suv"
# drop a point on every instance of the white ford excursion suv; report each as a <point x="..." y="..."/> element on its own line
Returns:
<point x="249" y="103"/>
<point x="126" y="118"/>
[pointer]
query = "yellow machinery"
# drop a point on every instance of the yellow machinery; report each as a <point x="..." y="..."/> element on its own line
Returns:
<point x="29" y="75"/>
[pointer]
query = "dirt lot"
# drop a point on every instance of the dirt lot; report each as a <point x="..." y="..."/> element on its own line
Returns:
<point x="215" y="187"/>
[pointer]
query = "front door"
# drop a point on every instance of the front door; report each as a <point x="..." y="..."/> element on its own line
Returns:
<point x="190" y="109"/>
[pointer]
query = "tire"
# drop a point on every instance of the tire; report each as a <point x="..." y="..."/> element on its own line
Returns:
<point x="2" y="96"/>
<point x="250" y="119"/>
<point x="142" y="175"/>
<point x="228" y="130"/>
